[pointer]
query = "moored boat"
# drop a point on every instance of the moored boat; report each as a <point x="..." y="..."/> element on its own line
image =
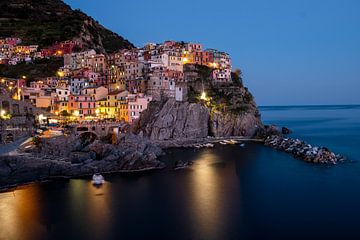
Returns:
<point x="98" y="179"/>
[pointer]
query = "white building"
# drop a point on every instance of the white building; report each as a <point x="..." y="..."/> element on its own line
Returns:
<point x="63" y="93"/>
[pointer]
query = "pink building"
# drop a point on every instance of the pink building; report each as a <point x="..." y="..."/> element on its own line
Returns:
<point x="82" y="105"/>
<point x="136" y="104"/>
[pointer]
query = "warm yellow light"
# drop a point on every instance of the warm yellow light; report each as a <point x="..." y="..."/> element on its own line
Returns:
<point x="76" y="113"/>
<point x="24" y="77"/>
<point x="3" y="112"/>
<point x="117" y="87"/>
<point x="97" y="111"/>
<point x="185" y="60"/>
<point x="59" y="52"/>
<point x="203" y="96"/>
<point x="3" y="80"/>
<point x="10" y="87"/>
<point x="60" y="73"/>
<point x="56" y="113"/>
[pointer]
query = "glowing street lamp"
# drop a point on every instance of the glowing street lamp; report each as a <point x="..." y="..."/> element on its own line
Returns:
<point x="2" y="113"/>
<point x="24" y="77"/>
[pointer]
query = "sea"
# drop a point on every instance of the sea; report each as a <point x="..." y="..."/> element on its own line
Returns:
<point x="230" y="192"/>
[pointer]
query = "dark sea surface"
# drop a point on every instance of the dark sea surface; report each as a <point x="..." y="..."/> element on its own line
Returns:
<point x="229" y="192"/>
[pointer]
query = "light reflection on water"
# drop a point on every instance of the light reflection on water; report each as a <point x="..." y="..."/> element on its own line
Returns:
<point x="18" y="210"/>
<point x="205" y="195"/>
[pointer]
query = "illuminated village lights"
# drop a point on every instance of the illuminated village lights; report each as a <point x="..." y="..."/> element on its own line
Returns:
<point x="60" y="73"/>
<point x="185" y="60"/>
<point x="203" y="96"/>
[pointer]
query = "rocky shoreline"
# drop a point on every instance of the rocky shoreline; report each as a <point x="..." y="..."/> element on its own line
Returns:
<point x="70" y="157"/>
<point x="73" y="157"/>
<point x="302" y="150"/>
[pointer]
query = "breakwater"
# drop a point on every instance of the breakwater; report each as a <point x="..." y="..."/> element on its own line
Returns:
<point x="302" y="150"/>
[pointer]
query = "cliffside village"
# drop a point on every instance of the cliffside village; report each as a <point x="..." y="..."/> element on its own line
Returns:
<point x="92" y="86"/>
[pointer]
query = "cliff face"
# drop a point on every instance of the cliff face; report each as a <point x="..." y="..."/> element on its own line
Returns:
<point x="174" y="120"/>
<point x="229" y="124"/>
<point x="183" y="120"/>
<point x="43" y="22"/>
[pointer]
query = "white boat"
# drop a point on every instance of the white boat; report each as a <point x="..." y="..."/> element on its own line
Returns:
<point x="223" y="143"/>
<point x="229" y="141"/>
<point x="97" y="179"/>
<point x="209" y="145"/>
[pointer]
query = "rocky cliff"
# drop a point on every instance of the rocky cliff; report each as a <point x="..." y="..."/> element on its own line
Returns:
<point x="174" y="120"/>
<point x="228" y="111"/>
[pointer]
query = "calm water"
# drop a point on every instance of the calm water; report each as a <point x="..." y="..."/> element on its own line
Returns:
<point x="229" y="192"/>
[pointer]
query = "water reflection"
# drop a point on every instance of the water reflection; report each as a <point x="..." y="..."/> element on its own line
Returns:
<point x="18" y="209"/>
<point x="91" y="203"/>
<point x="205" y="194"/>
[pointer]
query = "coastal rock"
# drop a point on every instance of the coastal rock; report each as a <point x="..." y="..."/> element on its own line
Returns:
<point x="285" y="130"/>
<point x="175" y="120"/>
<point x="302" y="150"/>
<point x="181" y="121"/>
<point x="59" y="157"/>
<point x="242" y="124"/>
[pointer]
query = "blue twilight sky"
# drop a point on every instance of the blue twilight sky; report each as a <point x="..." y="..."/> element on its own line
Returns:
<point x="290" y="51"/>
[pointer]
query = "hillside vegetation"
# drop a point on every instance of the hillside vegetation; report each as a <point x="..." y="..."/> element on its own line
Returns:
<point x="43" y="22"/>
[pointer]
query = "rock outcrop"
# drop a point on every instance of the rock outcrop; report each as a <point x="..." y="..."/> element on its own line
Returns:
<point x="230" y="124"/>
<point x="174" y="120"/>
<point x="70" y="157"/>
<point x="302" y="150"/>
<point x="183" y="120"/>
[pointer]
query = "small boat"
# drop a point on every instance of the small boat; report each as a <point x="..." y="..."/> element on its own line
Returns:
<point x="223" y="143"/>
<point x="233" y="141"/>
<point x="97" y="179"/>
<point x="229" y="142"/>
